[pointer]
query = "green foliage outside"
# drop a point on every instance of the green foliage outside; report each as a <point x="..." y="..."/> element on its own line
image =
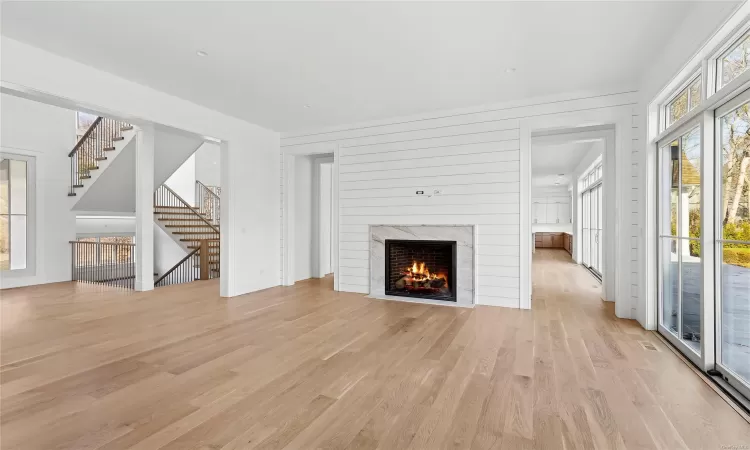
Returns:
<point x="737" y="254"/>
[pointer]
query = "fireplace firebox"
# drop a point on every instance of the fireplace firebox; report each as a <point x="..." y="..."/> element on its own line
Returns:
<point x="421" y="269"/>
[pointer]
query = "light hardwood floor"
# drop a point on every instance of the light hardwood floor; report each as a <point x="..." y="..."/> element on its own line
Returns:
<point x="302" y="367"/>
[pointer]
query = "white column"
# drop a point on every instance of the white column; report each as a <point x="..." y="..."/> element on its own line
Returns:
<point x="144" y="209"/>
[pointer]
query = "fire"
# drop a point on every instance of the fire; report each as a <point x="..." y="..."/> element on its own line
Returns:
<point x="419" y="272"/>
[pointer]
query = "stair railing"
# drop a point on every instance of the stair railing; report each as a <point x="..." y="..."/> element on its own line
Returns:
<point x="112" y="264"/>
<point x="91" y="148"/>
<point x="195" y="266"/>
<point x="208" y="202"/>
<point x="176" y="212"/>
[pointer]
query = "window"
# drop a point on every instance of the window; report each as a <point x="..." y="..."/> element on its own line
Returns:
<point x="83" y="122"/>
<point x="685" y="101"/>
<point x="734" y="62"/>
<point x="14" y="209"/>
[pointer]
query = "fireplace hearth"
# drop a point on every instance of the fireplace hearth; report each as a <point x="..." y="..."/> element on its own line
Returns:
<point x="421" y="269"/>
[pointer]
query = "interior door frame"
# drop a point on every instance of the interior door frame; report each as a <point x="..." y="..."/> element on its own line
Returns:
<point x="288" y="162"/>
<point x="614" y="125"/>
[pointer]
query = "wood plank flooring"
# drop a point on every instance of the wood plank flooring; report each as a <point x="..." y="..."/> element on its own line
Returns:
<point x="303" y="367"/>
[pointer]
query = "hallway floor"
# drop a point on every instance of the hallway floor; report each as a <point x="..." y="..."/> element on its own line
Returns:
<point x="303" y="367"/>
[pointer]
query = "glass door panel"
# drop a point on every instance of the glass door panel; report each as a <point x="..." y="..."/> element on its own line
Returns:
<point x="733" y="242"/>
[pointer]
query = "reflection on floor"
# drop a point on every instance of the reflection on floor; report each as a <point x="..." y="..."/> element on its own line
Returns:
<point x="303" y="367"/>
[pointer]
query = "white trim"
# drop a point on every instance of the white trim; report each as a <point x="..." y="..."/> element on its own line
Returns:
<point x="288" y="221"/>
<point x="617" y="217"/>
<point x="317" y="229"/>
<point x="524" y="238"/>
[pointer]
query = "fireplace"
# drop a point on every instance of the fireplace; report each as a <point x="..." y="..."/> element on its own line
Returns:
<point x="421" y="269"/>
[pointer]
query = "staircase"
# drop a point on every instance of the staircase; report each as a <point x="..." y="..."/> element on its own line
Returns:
<point x="196" y="229"/>
<point x="104" y="139"/>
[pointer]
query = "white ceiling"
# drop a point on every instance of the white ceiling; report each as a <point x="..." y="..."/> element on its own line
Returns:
<point x="353" y="61"/>
<point x="549" y="161"/>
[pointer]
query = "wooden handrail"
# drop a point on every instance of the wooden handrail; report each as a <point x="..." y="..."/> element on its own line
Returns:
<point x="85" y="136"/>
<point x="100" y="243"/>
<point x="206" y="188"/>
<point x="181" y="200"/>
<point x="176" y="266"/>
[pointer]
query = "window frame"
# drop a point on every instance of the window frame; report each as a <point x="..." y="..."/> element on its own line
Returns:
<point x="683" y="87"/>
<point x="714" y="62"/>
<point x="31" y="212"/>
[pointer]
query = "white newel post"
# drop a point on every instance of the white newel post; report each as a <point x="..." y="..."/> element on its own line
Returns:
<point x="144" y="209"/>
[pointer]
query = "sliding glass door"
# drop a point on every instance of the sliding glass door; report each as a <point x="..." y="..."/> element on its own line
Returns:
<point x="591" y="216"/>
<point x="679" y="239"/>
<point x="733" y="242"/>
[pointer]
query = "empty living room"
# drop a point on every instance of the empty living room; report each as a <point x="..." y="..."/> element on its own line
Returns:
<point x="374" y="225"/>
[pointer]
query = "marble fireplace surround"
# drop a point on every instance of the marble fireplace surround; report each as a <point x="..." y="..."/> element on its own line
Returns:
<point x="462" y="234"/>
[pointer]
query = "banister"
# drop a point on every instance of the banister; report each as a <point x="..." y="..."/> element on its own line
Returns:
<point x="187" y="205"/>
<point x="85" y="136"/>
<point x="176" y="266"/>
<point x="206" y="188"/>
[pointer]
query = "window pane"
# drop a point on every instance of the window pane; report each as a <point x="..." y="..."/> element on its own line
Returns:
<point x="677" y="108"/>
<point x="4" y="186"/>
<point x="735" y="62"/>
<point x="735" y="309"/>
<point x="4" y="243"/>
<point x="17" y="242"/>
<point x="690" y="194"/>
<point x="695" y="93"/>
<point x="691" y="295"/>
<point x="17" y="187"/>
<point x="670" y="295"/>
<point x="735" y="167"/>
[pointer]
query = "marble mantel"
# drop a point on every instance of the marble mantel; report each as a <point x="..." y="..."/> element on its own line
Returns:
<point x="462" y="234"/>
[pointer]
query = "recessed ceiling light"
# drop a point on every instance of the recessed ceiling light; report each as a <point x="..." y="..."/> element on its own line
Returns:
<point x="510" y="70"/>
<point x="306" y="106"/>
<point x="201" y="53"/>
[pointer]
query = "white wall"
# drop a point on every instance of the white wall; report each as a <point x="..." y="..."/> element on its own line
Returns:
<point x="250" y="157"/>
<point x="47" y="133"/>
<point x="472" y="155"/>
<point x="182" y="181"/>
<point x="105" y="226"/>
<point x="303" y="264"/>
<point x="208" y="164"/>
<point x="325" y="217"/>
<point x="167" y="252"/>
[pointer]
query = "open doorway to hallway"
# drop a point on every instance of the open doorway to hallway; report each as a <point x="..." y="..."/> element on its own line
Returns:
<point x="567" y="215"/>
<point x="313" y="228"/>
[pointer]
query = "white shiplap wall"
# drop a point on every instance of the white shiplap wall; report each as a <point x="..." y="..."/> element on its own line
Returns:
<point x="471" y="155"/>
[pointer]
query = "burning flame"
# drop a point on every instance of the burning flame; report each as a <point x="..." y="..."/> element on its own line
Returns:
<point x="419" y="272"/>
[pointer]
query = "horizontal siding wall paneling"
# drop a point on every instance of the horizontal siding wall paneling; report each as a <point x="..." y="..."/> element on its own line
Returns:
<point x="486" y="270"/>
<point x="355" y="262"/>
<point x="456" y="189"/>
<point x="432" y="171"/>
<point x="439" y="180"/>
<point x="454" y="210"/>
<point x="409" y="198"/>
<point x="426" y="160"/>
<point x="503" y="149"/>
<point x="507" y="111"/>
<point x="471" y="156"/>
<point x="433" y="219"/>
